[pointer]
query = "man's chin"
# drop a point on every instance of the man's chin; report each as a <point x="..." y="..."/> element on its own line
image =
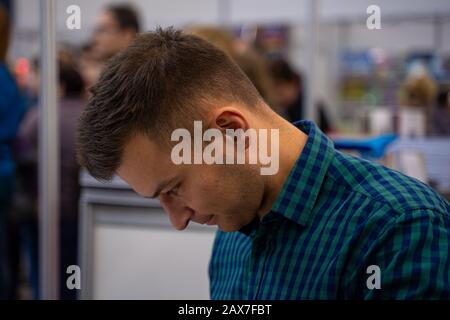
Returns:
<point x="228" y="228"/>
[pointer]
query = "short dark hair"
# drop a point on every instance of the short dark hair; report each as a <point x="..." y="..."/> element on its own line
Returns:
<point x="164" y="80"/>
<point x="125" y="16"/>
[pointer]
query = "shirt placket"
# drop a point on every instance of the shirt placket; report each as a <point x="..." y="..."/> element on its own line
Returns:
<point x="260" y="256"/>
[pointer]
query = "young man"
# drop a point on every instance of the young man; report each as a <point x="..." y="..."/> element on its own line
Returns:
<point x="324" y="225"/>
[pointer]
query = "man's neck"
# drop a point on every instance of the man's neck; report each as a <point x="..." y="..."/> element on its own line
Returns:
<point x="292" y="141"/>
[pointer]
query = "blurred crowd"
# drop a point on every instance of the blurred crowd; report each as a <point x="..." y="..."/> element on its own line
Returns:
<point x="78" y="69"/>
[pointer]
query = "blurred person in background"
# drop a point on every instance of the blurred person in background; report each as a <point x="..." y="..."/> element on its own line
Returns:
<point x="253" y="64"/>
<point x="23" y="223"/>
<point x="12" y="108"/>
<point x="256" y="69"/>
<point x="289" y="94"/>
<point x="71" y="102"/>
<point x="419" y="93"/>
<point x="117" y="26"/>
<point x="440" y="116"/>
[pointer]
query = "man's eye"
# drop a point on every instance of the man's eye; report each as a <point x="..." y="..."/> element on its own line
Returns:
<point x="173" y="191"/>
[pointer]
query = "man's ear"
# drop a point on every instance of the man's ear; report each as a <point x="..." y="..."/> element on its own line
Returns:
<point x="229" y="118"/>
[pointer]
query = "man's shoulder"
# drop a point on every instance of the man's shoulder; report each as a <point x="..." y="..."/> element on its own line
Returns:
<point x="384" y="185"/>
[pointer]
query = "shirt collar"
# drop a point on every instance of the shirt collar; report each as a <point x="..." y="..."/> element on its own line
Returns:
<point x="300" y="190"/>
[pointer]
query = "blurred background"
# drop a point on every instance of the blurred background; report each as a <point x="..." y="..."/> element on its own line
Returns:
<point x="377" y="80"/>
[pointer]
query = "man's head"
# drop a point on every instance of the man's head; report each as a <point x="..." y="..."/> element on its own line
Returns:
<point x="116" y="28"/>
<point x="163" y="81"/>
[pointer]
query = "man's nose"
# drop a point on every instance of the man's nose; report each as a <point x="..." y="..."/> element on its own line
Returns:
<point x="179" y="213"/>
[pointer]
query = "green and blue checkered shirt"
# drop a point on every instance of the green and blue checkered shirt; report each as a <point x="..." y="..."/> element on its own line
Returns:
<point x="336" y="216"/>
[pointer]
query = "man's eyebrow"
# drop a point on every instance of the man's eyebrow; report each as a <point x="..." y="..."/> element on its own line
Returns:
<point x="160" y="187"/>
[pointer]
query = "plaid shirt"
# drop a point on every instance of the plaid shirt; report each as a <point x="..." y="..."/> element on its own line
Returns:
<point x="335" y="217"/>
